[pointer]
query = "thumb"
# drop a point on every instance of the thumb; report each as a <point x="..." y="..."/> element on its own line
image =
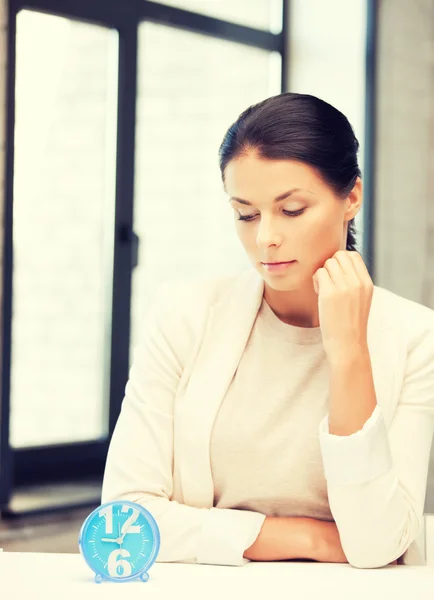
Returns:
<point x="315" y="283"/>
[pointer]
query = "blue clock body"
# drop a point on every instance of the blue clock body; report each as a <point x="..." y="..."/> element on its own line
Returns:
<point x="120" y="541"/>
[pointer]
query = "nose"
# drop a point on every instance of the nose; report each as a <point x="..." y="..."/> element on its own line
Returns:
<point x="267" y="234"/>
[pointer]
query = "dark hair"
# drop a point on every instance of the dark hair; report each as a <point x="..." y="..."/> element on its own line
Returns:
<point x="298" y="127"/>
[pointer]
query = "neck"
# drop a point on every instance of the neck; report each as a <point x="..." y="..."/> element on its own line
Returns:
<point x="294" y="307"/>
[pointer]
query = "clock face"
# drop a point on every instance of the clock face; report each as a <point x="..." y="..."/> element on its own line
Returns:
<point x="119" y="540"/>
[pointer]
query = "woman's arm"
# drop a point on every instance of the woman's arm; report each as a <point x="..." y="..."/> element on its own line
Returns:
<point x="284" y="538"/>
<point x="376" y="479"/>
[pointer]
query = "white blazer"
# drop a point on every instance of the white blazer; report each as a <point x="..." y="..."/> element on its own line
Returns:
<point x="191" y="343"/>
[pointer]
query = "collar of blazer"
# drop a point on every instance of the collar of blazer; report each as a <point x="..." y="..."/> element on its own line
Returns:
<point x="230" y="320"/>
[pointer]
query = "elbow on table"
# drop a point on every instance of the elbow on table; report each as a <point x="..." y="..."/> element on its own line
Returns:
<point x="370" y="562"/>
<point x="368" y="556"/>
<point x="370" y="553"/>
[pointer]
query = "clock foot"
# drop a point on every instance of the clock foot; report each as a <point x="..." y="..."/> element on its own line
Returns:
<point x="98" y="579"/>
<point x="144" y="577"/>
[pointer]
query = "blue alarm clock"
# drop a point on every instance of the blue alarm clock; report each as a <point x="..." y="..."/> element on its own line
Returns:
<point x="119" y="541"/>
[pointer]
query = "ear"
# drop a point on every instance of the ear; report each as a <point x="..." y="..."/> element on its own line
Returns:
<point x="354" y="200"/>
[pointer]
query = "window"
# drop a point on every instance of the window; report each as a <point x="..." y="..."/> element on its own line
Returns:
<point x="63" y="228"/>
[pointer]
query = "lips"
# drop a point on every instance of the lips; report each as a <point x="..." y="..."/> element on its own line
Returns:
<point x="285" y="262"/>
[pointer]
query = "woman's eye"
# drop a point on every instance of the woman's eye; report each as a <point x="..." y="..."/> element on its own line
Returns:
<point x="289" y="213"/>
<point x="245" y="217"/>
<point x="294" y="213"/>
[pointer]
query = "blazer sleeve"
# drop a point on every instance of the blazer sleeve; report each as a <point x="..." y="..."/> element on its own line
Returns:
<point x="376" y="478"/>
<point x="140" y="457"/>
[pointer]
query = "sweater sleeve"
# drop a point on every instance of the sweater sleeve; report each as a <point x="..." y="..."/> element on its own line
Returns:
<point x="376" y="478"/>
<point x="140" y="457"/>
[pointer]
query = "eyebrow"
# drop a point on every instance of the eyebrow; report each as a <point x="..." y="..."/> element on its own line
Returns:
<point x="277" y="199"/>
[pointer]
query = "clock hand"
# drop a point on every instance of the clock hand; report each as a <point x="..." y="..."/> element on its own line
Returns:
<point x="120" y="538"/>
<point x="123" y="535"/>
<point x="109" y="540"/>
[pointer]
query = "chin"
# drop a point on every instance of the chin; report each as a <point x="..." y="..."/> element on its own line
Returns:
<point x="282" y="284"/>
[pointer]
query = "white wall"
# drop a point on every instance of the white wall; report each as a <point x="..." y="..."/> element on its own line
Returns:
<point x="404" y="214"/>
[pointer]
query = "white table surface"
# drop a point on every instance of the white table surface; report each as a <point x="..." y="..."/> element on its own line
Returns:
<point x="26" y="575"/>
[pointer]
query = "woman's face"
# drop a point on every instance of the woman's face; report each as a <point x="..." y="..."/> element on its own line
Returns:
<point x="307" y="225"/>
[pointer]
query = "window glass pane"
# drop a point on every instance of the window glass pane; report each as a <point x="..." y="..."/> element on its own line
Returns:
<point x="327" y="59"/>
<point x="191" y="89"/>
<point x="63" y="229"/>
<point x="260" y="14"/>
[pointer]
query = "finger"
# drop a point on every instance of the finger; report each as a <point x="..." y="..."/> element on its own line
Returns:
<point x="336" y="273"/>
<point x="346" y="262"/>
<point x="325" y="284"/>
<point x="360" y="267"/>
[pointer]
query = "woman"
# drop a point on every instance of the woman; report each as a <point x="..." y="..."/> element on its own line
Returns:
<point x="285" y="412"/>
